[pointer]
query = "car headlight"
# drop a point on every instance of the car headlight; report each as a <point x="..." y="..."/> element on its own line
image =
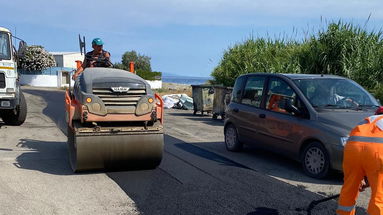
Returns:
<point x="343" y="140"/>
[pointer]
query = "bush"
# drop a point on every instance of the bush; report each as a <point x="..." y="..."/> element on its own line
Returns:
<point x="147" y="75"/>
<point x="36" y="58"/>
<point x="254" y="56"/>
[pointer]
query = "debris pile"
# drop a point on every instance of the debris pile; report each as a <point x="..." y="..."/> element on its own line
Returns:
<point x="178" y="101"/>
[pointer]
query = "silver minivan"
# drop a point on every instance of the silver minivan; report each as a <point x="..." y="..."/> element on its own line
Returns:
<point x="305" y="117"/>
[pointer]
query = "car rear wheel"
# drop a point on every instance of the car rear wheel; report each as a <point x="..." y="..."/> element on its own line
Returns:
<point x="231" y="139"/>
<point x="315" y="160"/>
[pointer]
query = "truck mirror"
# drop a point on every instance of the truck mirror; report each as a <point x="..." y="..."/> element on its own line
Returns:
<point x="22" y="48"/>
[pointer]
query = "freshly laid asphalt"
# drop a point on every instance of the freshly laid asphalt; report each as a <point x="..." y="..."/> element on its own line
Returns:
<point x="197" y="175"/>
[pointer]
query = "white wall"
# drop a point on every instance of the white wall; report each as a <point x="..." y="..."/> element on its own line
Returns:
<point x="39" y="80"/>
<point x="67" y="59"/>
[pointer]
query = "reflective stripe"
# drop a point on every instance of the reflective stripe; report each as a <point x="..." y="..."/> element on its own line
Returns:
<point x="374" y="117"/>
<point x="6" y="67"/>
<point x="379" y="123"/>
<point x="346" y="208"/>
<point x="366" y="139"/>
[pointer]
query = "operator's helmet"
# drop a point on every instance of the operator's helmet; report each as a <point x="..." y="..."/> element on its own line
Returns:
<point x="97" y="41"/>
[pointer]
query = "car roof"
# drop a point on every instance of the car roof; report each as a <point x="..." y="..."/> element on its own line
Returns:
<point x="298" y="76"/>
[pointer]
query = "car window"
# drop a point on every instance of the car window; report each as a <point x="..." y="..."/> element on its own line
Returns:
<point x="335" y="93"/>
<point x="237" y="89"/>
<point x="279" y="94"/>
<point x="5" y="52"/>
<point x="253" y="91"/>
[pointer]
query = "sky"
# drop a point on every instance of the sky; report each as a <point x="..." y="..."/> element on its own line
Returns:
<point x="182" y="37"/>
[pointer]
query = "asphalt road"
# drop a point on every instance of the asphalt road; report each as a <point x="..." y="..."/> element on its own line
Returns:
<point x="197" y="174"/>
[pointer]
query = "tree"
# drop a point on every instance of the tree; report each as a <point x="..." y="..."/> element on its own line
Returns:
<point x="141" y="65"/>
<point x="141" y="62"/>
<point x="36" y="58"/>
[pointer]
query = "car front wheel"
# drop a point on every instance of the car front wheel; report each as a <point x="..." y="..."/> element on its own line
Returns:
<point x="231" y="139"/>
<point x="315" y="160"/>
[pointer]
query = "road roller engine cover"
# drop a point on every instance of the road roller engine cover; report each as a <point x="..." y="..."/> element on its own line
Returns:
<point x="115" y="121"/>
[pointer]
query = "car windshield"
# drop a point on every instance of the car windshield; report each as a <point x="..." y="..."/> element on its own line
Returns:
<point x="5" y="51"/>
<point x="335" y="93"/>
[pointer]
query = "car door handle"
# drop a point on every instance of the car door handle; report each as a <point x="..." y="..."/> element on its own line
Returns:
<point x="236" y="110"/>
<point x="262" y="115"/>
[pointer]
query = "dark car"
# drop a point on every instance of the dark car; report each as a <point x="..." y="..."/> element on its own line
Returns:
<point x="305" y="117"/>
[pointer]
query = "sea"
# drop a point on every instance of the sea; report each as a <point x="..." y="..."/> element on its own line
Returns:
<point x="186" y="80"/>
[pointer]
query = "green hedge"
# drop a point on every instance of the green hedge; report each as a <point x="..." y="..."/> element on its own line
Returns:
<point x="340" y="49"/>
<point x="147" y="75"/>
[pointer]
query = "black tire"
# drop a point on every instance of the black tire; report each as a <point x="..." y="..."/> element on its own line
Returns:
<point x="11" y="118"/>
<point x="232" y="142"/>
<point x="315" y="160"/>
<point x="215" y="116"/>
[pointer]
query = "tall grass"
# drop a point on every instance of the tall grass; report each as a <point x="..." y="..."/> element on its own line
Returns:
<point x="340" y="48"/>
<point x="256" y="55"/>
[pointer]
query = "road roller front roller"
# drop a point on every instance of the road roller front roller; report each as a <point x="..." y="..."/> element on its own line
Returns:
<point x="115" y="121"/>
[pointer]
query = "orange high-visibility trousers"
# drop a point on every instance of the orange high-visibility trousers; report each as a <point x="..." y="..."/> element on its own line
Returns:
<point x="363" y="156"/>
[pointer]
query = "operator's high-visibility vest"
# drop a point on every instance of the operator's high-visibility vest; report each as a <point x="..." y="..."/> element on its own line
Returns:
<point x="371" y="128"/>
<point x="363" y="157"/>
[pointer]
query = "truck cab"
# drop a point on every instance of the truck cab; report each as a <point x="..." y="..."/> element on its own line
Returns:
<point x="12" y="101"/>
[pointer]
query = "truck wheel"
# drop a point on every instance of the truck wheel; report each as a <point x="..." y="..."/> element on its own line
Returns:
<point x="231" y="139"/>
<point x="316" y="161"/>
<point x="17" y="117"/>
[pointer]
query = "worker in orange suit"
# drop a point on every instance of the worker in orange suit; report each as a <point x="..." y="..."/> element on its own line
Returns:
<point x="363" y="158"/>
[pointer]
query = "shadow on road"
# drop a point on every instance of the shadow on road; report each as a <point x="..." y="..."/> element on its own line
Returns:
<point x="293" y="169"/>
<point x="44" y="156"/>
<point x="208" y="155"/>
<point x="264" y="211"/>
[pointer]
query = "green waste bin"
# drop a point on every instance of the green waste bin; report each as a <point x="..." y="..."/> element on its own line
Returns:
<point x="203" y="96"/>
<point x="222" y="97"/>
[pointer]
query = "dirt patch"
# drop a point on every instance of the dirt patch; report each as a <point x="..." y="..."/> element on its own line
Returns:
<point x="172" y="88"/>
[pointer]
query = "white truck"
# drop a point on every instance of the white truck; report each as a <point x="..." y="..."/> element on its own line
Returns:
<point x="13" y="107"/>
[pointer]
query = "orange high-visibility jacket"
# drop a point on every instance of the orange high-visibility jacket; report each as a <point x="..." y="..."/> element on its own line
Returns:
<point x="363" y="156"/>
